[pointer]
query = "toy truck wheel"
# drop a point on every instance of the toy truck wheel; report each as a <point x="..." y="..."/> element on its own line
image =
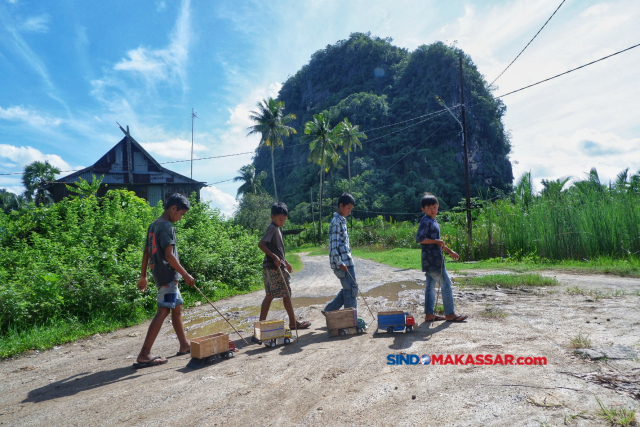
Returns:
<point x="409" y="329"/>
<point x="390" y="329"/>
<point x="343" y="332"/>
<point x="360" y="330"/>
<point x="287" y="341"/>
<point x="229" y="354"/>
<point x="271" y="344"/>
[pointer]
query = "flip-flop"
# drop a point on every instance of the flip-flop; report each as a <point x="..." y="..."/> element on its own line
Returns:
<point x="436" y="319"/>
<point x="149" y="363"/>
<point x="301" y="325"/>
<point x="458" y="319"/>
<point x="182" y="353"/>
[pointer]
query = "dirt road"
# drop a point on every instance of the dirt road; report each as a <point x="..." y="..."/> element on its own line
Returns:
<point x="346" y="380"/>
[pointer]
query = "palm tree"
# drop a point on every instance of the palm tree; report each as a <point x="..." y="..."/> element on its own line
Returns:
<point x="323" y="145"/>
<point x="10" y="201"/>
<point x="36" y="178"/>
<point x="553" y="188"/>
<point x="252" y="182"/>
<point x="271" y="124"/>
<point x="350" y="139"/>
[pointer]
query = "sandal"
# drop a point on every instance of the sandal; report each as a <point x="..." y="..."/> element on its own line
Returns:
<point x="459" y="318"/>
<point x="436" y="318"/>
<point x="301" y="325"/>
<point x="182" y="353"/>
<point x="149" y="363"/>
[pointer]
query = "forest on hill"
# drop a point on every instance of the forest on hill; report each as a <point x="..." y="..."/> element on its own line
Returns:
<point x="376" y="85"/>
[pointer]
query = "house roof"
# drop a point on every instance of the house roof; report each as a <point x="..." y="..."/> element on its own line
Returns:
<point x="128" y="162"/>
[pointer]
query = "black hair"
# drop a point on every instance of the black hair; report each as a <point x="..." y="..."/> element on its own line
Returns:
<point x="279" y="209"/>
<point x="178" y="200"/>
<point x="346" y="199"/>
<point x="429" y="200"/>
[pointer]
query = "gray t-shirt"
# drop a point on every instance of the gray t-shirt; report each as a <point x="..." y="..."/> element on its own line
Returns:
<point x="160" y="235"/>
<point x="273" y="237"/>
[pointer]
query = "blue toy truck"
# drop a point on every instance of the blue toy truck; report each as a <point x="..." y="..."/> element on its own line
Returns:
<point x="395" y="321"/>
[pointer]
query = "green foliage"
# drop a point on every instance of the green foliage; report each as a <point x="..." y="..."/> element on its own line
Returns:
<point x="84" y="188"/>
<point x="254" y="212"/>
<point x="252" y="183"/>
<point x="79" y="259"/>
<point x="36" y="178"/>
<point x="509" y="280"/>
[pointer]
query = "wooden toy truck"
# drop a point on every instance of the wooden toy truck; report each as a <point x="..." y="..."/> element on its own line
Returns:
<point x="212" y="346"/>
<point x="271" y="332"/>
<point x="344" y="322"/>
<point x="395" y="321"/>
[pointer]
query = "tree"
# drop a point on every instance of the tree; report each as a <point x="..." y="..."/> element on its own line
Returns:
<point x="10" y="201"/>
<point x="254" y="212"/>
<point x="84" y="188"/>
<point x="323" y="145"/>
<point x="553" y="188"/>
<point x="36" y="178"/>
<point x="252" y="183"/>
<point x="271" y="124"/>
<point x="350" y="139"/>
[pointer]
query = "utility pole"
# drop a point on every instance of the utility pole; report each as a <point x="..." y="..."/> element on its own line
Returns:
<point x="193" y="116"/>
<point x="466" y="157"/>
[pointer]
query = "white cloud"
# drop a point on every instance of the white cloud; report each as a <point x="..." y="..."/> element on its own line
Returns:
<point x="31" y="117"/>
<point x="22" y="156"/>
<point x="156" y="65"/>
<point x="174" y="148"/>
<point x="161" y="6"/>
<point x="550" y="157"/>
<point x="219" y="199"/>
<point x="36" y="24"/>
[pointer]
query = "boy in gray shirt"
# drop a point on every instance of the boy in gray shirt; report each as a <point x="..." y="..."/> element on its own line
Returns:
<point x="161" y="255"/>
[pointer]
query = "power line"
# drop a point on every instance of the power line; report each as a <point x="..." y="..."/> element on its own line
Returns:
<point x="567" y="72"/>
<point x="514" y="60"/>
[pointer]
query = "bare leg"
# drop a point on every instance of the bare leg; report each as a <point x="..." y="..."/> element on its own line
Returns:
<point x="178" y="327"/>
<point x="152" y="334"/>
<point x="289" y="307"/>
<point x="264" y="310"/>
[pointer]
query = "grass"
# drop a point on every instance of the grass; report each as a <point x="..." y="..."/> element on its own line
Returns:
<point x="295" y="261"/>
<point x="597" y="295"/>
<point x="580" y="341"/>
<point x="493" y="313"/>
<point x="616" y="416"/>
<point x="61" y="330"/>
<point x="508" y="280"/>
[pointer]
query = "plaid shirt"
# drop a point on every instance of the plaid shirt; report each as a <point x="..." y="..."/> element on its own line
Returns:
<point x="339" y="249"/>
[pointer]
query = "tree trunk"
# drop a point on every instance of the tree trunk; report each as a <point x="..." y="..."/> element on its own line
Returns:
<point x="349" y="168"/>
<point x="273" y="174"/>
<point x="333" y="193"/>
<point x="321" y="186"/>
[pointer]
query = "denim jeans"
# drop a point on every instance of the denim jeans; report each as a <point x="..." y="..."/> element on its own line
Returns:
<point x="347" y="295"/>
<point x="432" y="278"/>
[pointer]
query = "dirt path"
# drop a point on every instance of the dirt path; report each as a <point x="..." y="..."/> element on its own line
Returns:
<point x="346" y="380"/>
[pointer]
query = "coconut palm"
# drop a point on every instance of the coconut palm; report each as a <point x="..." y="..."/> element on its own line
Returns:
<point x="350" y="139"/>
<point x="271" y="124"/>
<point x="323" y="145"/>
<point x="252" y="183"/>
<point x="36" y="179"/>
<point x="84" y="188"/>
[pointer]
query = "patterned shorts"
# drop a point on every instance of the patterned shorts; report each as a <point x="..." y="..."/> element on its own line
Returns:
<point x="169" y="295"/>
<point x="274" y="284"/>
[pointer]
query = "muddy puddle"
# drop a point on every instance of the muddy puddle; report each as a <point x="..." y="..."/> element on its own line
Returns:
<point x="209" y="322"/>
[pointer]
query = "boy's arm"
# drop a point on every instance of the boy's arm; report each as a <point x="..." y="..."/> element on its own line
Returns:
<point x="263" y="246"/>
<point x="142" y="282"/>
<point x="173" y="262"/>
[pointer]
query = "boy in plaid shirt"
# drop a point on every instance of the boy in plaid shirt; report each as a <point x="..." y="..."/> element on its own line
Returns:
<point x="340" y="256"/>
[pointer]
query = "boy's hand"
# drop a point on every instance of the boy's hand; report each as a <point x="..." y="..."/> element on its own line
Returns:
<point x="277" y="261"/>
<point x="454" y="255"/>
<point x="189" y="280"/>
<point x="343" y="267"/>
<point x="288" y="266"/>
<point x="142" y="283"/>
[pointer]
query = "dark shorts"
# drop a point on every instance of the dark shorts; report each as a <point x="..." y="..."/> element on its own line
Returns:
<point x="275" y="284"/>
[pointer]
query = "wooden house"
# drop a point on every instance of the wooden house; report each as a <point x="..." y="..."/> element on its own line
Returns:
<point x="129" y="166"/>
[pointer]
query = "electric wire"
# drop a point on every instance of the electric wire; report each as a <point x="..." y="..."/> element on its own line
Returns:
<point x="514" y="60"/>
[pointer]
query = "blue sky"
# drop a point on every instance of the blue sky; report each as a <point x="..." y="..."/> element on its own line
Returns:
<point x="70" y="70"/>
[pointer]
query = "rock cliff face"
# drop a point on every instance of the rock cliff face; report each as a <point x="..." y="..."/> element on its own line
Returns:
<point x="376" y="84"/>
